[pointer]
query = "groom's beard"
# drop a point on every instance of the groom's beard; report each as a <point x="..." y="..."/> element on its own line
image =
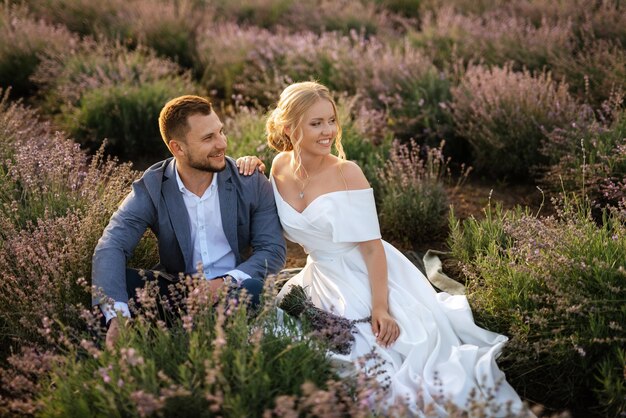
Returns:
<point x="207" y="165"/>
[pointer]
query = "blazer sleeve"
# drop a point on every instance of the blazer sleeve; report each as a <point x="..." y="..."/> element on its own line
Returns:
<point x="119" y="239"/>
<point x="266" y="235"/>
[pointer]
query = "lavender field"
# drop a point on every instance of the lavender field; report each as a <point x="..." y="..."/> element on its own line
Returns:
<point x="433" y="96"/>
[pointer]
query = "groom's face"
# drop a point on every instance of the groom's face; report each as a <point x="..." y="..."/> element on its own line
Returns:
<point x="204" y="146"/>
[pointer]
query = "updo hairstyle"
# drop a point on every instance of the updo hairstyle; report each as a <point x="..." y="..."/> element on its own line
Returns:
<point x="294" y="101"/>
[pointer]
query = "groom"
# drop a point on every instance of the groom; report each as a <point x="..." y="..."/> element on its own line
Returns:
<point x="204" y="214"/>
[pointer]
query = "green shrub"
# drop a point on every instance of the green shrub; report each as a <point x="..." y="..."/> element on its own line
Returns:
<point x="406" y="8"/>
<point x="106" y="91"/>
<point x="412" y="198"/>
<point x="505" y="116"/>
<point x="246" y="135"/>
<point x="131" y="121"/>
<point x="212" y="361"/>
<point x="22" y="42"/>
<point x="168" y="27"/>
<point x="419" y="109"/>
<point x="556" y="286"/>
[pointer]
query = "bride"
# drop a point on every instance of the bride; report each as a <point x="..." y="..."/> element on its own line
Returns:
<point x="432" y="351"/>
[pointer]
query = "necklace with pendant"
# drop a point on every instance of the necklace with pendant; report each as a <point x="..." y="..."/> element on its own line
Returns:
<point x="304" y="184"/>
<point x="308" y="178"/>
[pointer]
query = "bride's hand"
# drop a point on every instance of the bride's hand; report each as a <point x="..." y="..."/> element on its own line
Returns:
<point x="249" y="163"/>
<point x="384" y="327"/>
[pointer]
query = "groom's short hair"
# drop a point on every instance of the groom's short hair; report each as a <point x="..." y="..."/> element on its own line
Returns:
<point x="173" y="117"/>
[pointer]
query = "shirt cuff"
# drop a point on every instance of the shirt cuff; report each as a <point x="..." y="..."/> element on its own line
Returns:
<point x="238" y="275"/>
<point x="110" y="313"/>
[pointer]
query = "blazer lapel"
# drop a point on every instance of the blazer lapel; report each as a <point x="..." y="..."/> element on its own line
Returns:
<point x="177" y="212"/>
<point x="228" y="208"/>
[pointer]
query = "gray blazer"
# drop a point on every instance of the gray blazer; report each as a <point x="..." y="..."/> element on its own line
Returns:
<point x="248" y="214"/>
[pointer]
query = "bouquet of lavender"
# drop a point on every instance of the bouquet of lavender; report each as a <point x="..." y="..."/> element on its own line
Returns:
<point x="335" y="330"/>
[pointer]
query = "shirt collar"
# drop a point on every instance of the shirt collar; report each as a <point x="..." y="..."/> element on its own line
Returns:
<point x="182" y="187"/>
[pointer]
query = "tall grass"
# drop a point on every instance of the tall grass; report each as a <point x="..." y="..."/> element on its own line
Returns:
<point x="594" y="147"/>
<point x="556" y="286"/>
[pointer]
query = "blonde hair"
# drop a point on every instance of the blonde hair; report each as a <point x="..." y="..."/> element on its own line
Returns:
<point x="294" y="101"/>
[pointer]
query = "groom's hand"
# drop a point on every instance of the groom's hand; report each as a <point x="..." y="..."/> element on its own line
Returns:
<point x="215" y="288"/>
<point x="113" y="334"/>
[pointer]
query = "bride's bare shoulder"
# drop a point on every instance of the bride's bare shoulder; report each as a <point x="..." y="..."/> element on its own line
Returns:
<point x="353" y="175"/>
<point x="280" y="161"/>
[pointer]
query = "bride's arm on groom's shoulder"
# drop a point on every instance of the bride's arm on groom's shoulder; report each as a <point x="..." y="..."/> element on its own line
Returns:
<point x="249" y="163"/>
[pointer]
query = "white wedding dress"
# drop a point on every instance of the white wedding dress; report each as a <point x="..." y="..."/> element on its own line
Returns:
<point x="441" y="354"/>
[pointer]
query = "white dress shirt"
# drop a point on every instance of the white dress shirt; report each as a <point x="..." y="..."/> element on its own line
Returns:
<point x="211" y="251"/>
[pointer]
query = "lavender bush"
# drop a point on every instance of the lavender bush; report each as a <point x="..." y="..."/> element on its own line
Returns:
<point x="411" y="196"/>
<point x="579" y="43"/>
<point x="596" y="72"/>
<point x="494" y="38"/>
<point x="22" y="42"/>
<point x="505" y="116"/>
<point x="168" y="27"/>
<point x="556" y="286"/>
<point x="396" y="79"/>
<point x="308" y="15"/>
<point x="215" y="359"/>
<point x="212" y="360"/>
<point x="107" y="91"/>
<point x="54" y="206"/>
<point x="603" y="20"/>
